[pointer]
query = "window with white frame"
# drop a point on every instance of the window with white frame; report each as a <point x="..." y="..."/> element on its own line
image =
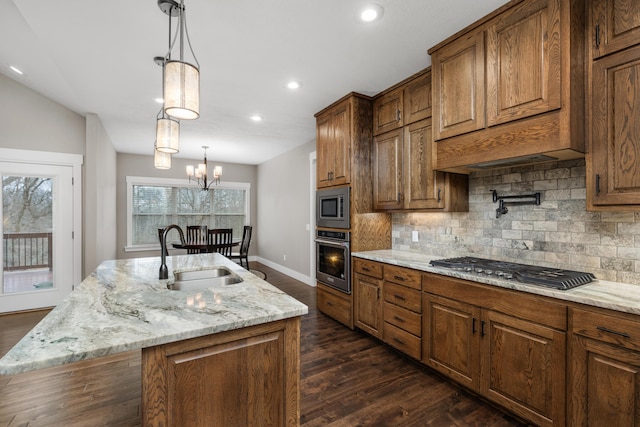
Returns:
<point x="154" y="203"/>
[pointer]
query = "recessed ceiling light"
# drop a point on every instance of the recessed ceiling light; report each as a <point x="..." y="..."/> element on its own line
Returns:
<point x="294" y="84"/>
<point x="159" y="100"/>
<point x="371" y="13"/>
<point x="16" y="69"/>
<point x="256" y="118"/>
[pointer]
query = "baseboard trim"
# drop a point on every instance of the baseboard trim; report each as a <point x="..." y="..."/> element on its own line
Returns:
<point x="284" y="270"/>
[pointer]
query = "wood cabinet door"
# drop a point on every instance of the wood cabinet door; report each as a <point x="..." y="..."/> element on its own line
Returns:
<point x="604" y="385"/>
<point x="342" y="145"/>
<point x="523" y="62"/>
<point x="615" y="25"/>
<point x="387" y="170"/>
<point x="333" y="142"/>
<point x="387" y="112"/>
<point x="458" y="86"/>
<point x="417" y="99"/>
<point x="451" y="339"/>
<point x="614" y="178"/>
<point x="368" y="304"/>
<point x="325" y="152"/>
<point x="523" y="367"/>
<point x="423" y="187"/>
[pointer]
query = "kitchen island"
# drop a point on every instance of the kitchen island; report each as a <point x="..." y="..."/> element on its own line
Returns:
<point x="223" y="355"/>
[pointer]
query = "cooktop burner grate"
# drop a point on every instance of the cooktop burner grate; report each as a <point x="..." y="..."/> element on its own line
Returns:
<point x="530" y="274"/>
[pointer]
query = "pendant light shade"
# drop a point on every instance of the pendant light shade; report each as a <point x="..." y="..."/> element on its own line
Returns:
<point x="161" y="160"/>
<point x="167" y="135"/>
<point x="181" y="90"/>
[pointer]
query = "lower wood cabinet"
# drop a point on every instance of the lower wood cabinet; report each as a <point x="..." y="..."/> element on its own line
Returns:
<point x="508" y="346"/>
<point x="335" y="304"/>
<point x="605" y="370"/>
<point x="246" y="377"/>
<point x="550" y="362"/>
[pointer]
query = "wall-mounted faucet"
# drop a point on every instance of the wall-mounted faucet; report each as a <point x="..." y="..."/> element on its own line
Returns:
<point x="164" y="271"/>
<point x="533" y="199"/>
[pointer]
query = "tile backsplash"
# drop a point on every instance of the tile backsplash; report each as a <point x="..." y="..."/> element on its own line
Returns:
<point x="559" y="232"/>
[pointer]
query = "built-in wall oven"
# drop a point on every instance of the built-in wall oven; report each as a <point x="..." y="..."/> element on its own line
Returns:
<point x="333" y="257"/>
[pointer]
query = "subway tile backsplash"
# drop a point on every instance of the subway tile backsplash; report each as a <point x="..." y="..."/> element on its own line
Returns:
<point x="558" y="233"/>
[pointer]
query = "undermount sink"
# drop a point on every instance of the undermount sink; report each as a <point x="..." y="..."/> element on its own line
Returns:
<point x="202" y="279"/>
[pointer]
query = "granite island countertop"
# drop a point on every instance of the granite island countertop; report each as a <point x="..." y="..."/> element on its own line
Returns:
<point x="616" y="296"/>
<point x="123" y="306"/>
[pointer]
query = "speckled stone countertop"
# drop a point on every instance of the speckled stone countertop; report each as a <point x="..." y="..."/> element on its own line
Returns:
<point x="123" y="306"/>
<point x="599" y="293"/>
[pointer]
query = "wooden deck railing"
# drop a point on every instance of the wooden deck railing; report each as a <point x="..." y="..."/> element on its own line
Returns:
<point x="23" y="251"/>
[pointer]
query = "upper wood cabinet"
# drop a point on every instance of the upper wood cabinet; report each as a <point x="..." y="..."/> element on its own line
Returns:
<point x="403" y="104"/>
<point x="404" y="177"/>
<point x="613" y="162"/>
<point x="524" y="61"/>
<point x="458" y="86"/>
<point x="615" y="25"/>
<point x="402" y="165"/>
<point x="343" y="138"/>
<point x="387" y="111"/>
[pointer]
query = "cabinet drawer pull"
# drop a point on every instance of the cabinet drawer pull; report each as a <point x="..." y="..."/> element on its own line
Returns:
<point x="365" y="269"/>
<point x="399" y="319"/>
<point x="611" y="331"/>
<point x="398" y="340"/>
<point x="400" y="297"/>
<point x="399" y="278"/>
<point x="329" y="303"/>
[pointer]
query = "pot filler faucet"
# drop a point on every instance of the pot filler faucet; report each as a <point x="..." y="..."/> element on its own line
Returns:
<point x="164" y="271"/>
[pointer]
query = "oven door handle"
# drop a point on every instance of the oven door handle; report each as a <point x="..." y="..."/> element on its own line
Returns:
<point x="332" y="243"/>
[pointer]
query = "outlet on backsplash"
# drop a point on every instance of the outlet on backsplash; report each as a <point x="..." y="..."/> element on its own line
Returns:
<point x="414" y="236"/>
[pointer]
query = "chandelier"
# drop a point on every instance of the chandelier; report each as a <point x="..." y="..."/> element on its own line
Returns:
<point x="199" y="174"/>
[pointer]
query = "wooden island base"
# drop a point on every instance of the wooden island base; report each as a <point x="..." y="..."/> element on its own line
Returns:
<point x="245" y="377"/>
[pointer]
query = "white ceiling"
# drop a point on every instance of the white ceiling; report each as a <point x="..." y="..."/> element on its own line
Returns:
<point x="97" y="57"/>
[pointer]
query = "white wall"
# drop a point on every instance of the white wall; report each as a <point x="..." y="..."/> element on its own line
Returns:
<point x="29" y="121"/>
<point x="99" y="196"/>
<point x="284" y="212"/>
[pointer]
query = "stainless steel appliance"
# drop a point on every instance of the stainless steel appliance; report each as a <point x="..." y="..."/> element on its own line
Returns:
<point x="332" y="207"/>
<point x="333" y="258"/>
<point x="530" y="274"/>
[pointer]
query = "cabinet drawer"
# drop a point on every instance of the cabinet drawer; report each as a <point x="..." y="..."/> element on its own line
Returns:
<point x="335" y="306"/>
<point x="404" y="276"/>
<point x="402" y="340"/>
<point x="404" y="297"/>
<point x="368" y="268"/>
<point x="611" y="329"/>
<point x="403" y="318"/>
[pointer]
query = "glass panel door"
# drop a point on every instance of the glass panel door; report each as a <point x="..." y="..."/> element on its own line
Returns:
<point x="36" y="234"/>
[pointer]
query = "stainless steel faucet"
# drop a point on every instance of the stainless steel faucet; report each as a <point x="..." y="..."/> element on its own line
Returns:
<point x="164" y="271"/>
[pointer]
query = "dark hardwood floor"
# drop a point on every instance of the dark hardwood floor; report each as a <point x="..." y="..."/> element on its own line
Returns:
<point x="348" y="379"/>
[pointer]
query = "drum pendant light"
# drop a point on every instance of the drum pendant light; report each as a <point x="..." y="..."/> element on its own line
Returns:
<point x="181" y="87"/>
<point x="161" y="160"/>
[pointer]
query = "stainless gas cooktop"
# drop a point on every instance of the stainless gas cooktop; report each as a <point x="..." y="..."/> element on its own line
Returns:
<point x="530" y="274"/>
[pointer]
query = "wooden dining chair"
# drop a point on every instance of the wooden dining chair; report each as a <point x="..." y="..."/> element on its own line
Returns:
<point x="220" y="241"/>
<point x="196" y="234"/>
<point x="243" y="253"/>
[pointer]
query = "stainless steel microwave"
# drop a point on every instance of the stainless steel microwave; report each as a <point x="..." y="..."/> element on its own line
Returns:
<point x="332" y="207"/>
